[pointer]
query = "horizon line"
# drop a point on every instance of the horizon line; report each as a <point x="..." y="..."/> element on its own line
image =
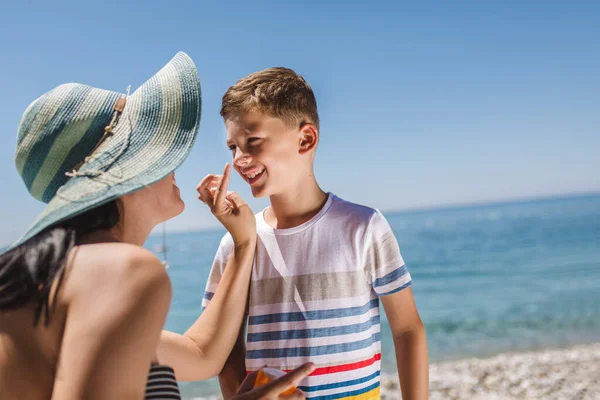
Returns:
<point x="443" y="207"/>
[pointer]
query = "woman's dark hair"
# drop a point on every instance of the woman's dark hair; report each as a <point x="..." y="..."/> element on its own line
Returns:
<point x="28" y="271"/>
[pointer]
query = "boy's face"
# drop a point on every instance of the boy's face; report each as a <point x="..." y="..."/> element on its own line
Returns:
<point x="266" y="152"/>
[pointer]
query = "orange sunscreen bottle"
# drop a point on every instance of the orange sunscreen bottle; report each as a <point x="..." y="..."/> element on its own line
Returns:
<point x="266" y="375"/>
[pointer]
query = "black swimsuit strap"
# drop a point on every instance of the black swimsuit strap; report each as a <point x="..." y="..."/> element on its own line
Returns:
<point x="162" y="384"/>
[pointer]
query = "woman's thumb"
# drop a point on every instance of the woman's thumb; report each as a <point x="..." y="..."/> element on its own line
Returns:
<point x="236" y="199"/>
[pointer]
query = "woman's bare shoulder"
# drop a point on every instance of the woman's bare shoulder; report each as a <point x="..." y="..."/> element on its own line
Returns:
<point x="102" y="268"/>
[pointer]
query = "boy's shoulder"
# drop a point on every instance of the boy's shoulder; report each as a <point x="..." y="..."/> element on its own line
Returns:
<point x="226" y="244"/>
<point x="355" y="213"/>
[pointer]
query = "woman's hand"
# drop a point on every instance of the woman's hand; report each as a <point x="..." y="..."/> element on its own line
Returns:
<point x="272" y="389"/>
<point x="228" y="207"/>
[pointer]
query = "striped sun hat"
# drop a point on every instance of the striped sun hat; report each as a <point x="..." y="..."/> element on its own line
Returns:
<point x="79" y="147"/>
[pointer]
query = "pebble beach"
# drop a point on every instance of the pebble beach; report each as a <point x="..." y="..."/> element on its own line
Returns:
<point x="570" y="373"/>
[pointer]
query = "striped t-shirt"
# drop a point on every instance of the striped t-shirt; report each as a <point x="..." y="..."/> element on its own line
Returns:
<point x="314" y="297"/>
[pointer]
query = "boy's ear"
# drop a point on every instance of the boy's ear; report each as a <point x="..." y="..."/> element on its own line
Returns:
<point x="309" y="137"/>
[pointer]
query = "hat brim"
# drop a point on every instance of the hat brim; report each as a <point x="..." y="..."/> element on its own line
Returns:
<point x="153" y="136"/>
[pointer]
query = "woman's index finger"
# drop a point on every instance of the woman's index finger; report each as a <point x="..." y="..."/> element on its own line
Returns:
<point x="223" y="184"/>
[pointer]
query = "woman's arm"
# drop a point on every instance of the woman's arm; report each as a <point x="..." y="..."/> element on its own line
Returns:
<point x="117" y="297"/>
<point x="201" y="353"/>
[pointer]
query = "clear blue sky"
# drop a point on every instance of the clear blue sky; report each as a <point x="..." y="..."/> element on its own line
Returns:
<point x="422" y="104"/>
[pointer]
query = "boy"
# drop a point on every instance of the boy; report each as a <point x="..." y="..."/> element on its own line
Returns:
<point x="321" y="263"/>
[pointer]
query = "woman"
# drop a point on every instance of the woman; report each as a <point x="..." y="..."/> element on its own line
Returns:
<point x="82" y="303"/>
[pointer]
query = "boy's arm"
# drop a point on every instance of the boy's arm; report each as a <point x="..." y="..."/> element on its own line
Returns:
<point x="234" y="371"/>
<point x="391" y="281"/>
<point x="410" y="343"/>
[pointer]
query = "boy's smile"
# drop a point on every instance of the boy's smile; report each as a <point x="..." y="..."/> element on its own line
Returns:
<point x="253" y="174"/>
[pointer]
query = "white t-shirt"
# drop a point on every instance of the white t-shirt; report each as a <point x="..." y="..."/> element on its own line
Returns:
<point x="314" y="297"/>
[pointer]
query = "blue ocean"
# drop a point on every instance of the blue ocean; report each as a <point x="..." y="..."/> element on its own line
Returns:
<point x="487" y="278"/>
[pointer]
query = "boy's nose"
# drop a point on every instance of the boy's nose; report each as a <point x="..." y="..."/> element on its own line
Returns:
<point x="241" y="159"/>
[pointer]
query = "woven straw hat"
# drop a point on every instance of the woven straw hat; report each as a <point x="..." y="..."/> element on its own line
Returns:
<point x="79" y="147"/>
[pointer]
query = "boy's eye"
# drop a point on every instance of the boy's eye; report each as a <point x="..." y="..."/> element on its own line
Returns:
<point x="252" y="140"/>
<point x="232" y="147"/>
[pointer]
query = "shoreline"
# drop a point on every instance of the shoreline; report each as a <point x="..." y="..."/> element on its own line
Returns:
<point x="571" y="372"/>
<point x="562" y="373"/>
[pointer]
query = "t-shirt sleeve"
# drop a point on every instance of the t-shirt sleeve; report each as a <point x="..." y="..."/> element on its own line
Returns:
<point x="218" y="266"/>
<point x="383" y="263"/>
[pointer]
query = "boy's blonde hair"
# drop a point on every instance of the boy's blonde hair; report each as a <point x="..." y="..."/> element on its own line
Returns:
<point x="278" y="92"/>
